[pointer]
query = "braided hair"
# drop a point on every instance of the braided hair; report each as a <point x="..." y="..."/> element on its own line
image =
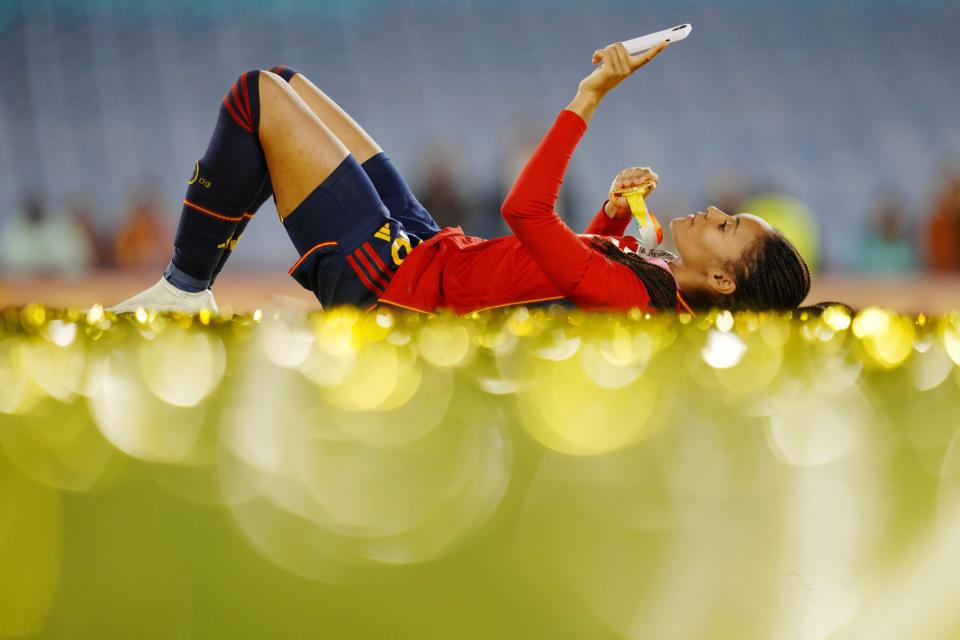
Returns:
<point x="771" y="275"/>
<point x="661" y="287"/>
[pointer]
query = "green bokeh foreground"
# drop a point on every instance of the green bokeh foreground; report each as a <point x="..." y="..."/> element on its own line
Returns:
<point x="530" y="474"/>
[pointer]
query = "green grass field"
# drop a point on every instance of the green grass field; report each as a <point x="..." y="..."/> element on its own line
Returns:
<point x="522" y="474"/>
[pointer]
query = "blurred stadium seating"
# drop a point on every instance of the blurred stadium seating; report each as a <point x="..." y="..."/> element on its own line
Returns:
<point x="826" y="102"/>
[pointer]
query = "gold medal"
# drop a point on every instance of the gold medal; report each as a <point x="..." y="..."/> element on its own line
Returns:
<point x="651" y="234"/>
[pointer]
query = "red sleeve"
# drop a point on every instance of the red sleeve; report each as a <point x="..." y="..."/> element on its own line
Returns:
<point x="528" y="208"/>
<point x="604" y="225"/>
<point x="580" y="273"/>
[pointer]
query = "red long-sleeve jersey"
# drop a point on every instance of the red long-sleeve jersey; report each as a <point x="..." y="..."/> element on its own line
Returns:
<point x="544" y="260"/>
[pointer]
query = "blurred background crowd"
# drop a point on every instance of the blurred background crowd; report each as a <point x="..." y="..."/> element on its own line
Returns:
<point x="836" y="121"/>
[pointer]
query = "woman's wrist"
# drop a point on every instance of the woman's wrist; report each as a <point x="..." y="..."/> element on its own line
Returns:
<point x="616" y="213"/>
<point x="585" y="103"/>
<point x="609" y="210"/>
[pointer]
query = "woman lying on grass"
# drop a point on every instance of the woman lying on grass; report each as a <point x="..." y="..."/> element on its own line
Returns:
<point x="364" y="240"/>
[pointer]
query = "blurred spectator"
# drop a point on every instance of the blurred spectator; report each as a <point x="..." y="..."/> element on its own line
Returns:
<point x="143" y="240"/>
<point x="100" y="243"/>
<point x="40" y="243"/>
<point x="438" y="189"/>
<point x="727" y="189"/>
<point x="943" y="228"/>
<point x="886" y="247"/>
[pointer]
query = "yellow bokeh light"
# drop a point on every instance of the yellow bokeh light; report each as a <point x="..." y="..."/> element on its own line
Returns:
<point x="836" y="318"/>
<point x="332" y="336"/>
<point x="557" y="344"/>
<point x="382" y="377"/>
<point x="775" y="333"/>
<point x="497" y="339"/>
<point x="95" y="314"/>
<point x="723" y="350"/>
<point x="385" y="319"/>
<point x="521" y="322"/>
<point x="951" y="341"/>
<point x="134" y="418"/>
<point x="629" y="463"/>
<point x="61" y="333"/>
<point x="394" y="423"/>
<point x="57" y="370"/>
<point x="182" y="367"/>
<point x="287" y="342"/>
<point x="613" y="361"/>
<point x="327" y="369"/>
<point x="871" y="321"/>
<point x="894" y="345"/>
<point x="624" y="347"/>
<point x="568" y="411"/>
<point x="33" y="316"/>
<point x="929" y="368"/>
<point x="756" y="369"/>
<point x="445" y="344"/>
<point x="724" y="320"/>
<point x="16" y="388"/>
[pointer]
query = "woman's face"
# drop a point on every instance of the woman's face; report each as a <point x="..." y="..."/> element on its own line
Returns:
<point x="712" y="240"/>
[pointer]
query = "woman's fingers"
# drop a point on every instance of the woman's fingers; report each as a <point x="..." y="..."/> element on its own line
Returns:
<point x="610" y="59"/>
<point x="615" y="59"/>
<point x="618" y="59"/>
<point x="635" y="177"/>
<point x="639" y="60"/>
<point x="620" y="54"/>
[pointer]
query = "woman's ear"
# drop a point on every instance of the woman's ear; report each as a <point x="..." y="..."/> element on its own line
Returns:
<point x="721" y="281"/>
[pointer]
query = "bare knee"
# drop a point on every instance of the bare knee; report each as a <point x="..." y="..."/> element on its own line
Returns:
<point x="276" y="98"/>
<point x="271" y="83"/>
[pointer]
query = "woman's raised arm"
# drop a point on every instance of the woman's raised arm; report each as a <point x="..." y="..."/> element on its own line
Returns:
<point x="529" y="207"/>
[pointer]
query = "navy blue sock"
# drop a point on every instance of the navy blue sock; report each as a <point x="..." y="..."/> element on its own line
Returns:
<point x="265" y="191"/>
<point x="225" y="182"/>
<point x="284" y="72"/>
<point x="183" y="281"/>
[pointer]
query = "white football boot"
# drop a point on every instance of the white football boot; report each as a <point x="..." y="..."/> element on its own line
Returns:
<point x="163" y="296"/>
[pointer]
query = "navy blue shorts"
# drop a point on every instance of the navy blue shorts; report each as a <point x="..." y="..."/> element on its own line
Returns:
<point x="354" y="230"/>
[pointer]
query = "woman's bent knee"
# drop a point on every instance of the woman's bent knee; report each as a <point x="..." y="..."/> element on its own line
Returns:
<point x="275" y="95"/>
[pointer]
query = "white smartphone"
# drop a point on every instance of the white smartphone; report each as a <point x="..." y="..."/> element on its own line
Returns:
<point x="642" y="43"/>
